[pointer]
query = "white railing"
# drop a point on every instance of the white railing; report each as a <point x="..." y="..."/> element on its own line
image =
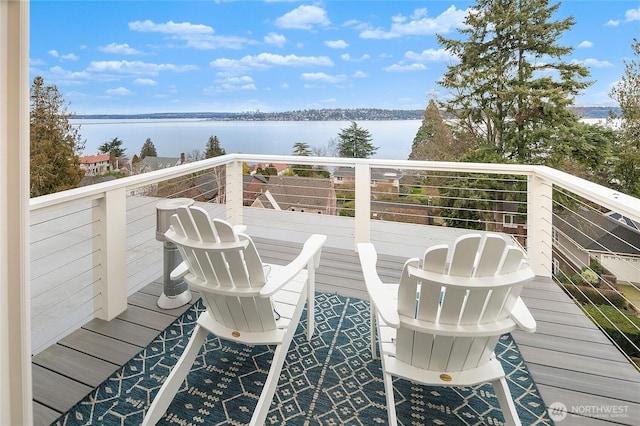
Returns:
<point x="93" y="246"/>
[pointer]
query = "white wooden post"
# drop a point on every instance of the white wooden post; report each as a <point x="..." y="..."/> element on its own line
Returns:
<point x="539" y="225"/>
<point x="111" y="284"/>
<point x="363" y="204"/>
<point x="15" y="308"/>
<point x="233" y="191"/>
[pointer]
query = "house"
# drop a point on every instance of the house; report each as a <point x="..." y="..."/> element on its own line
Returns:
<point x="585" y="234"/>
<point x="301" y="194"/>
<point x="253" y="186"/>
<point x="280" y="168"/>
<point x="150" y="164"/>
<point x="94" y="165"/>
<point x="382" y="180"/>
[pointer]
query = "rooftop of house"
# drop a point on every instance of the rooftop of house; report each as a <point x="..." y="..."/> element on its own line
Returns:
<point x="92" y="159"/>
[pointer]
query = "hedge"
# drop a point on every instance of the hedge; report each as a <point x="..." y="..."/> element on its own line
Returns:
<point x="596" y="296"/>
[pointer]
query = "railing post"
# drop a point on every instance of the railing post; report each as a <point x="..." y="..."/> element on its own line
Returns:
<point x="16" y="407"/>
<point x="111" y="252"/>
<point x="540" y="224"/>
<point x="363" y="204"/>
<point x="233" y="192"/>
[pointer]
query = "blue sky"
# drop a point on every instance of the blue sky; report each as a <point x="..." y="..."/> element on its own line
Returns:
<point x="229" y="56"/>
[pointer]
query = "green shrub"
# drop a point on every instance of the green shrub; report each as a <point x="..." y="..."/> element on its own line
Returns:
<point x="592" y="296"/>
<point x="348" y="209"/>
<point x="627" y="323"/>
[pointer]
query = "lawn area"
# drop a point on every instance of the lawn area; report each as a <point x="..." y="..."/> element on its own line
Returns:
<point x="631" y="293"/>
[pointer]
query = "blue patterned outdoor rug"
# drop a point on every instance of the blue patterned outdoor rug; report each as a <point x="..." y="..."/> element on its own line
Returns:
<point x="331" y="380"/>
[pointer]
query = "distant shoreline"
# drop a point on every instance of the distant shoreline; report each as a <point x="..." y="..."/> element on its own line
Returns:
<point x="358" y="114"/>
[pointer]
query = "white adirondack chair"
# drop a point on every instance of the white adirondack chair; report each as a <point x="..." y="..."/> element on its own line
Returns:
<point x="441" y="323"/>
<point x="247" y="302"/>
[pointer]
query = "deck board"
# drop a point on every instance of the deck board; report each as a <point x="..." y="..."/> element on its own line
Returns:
<point x="569" y="358"/>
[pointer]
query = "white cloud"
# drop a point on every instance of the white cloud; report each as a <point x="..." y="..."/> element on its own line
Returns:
<point x="145" y="82"/>
<point x="419" y="24"/>
<point x="69" y="57"/>
<point x="120" y="91"/>
<point x="612" y="23"/>
<point x="337" y="44"/>
<point x="304" y="17"/>
<point x="405" y="68"/>
<point x="632" y="15"/>
<point x="595" y="63"/>
<point x="430" y="55"/>
<point x="269" y="60"/>
<point x="197" y="36"/>
<point x="136" y="67"/>
<point x="348" y="58"/>
<point x="275" y="39"/>
<point x="320" y="76"/>
<point x="231" y="84"/>
<point x="585" y="44"/>
<point x="173" y="28"/>
<point x="121" y="49"/>
<point x="360" y="74"/>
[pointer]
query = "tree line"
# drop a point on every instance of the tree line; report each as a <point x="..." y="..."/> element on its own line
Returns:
<point x="510" y="100"/>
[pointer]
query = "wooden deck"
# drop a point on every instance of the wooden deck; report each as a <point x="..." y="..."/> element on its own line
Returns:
<point x="571" y="361"/>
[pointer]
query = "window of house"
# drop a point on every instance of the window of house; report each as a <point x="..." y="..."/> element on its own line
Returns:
<point x="509" y="221"/>
<point x="554" y="236"/>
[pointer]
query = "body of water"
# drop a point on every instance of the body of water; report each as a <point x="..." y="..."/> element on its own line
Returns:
<point x="173" y="137"/>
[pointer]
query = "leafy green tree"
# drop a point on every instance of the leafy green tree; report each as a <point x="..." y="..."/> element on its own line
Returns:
<point x="355" y="142"/>
<point x="511" y="88"/>
<point x="301" y="149"/>
<point x="148" y="149"/>
<point x="55" y="143"/>
<point x="115" y="150"/>
<point x="627" y="147"/>
<point x="213" y="148"/>
<point x="434" y="140"/>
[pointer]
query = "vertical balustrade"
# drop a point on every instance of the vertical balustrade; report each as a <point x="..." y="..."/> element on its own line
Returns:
<point x="233" y="192"/>
<point x="110" y="220"/>
<point x="539" y="224"/>
<point x="363" y="204"/>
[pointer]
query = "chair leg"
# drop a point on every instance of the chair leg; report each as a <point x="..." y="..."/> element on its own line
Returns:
<point x="271" y="383"/>
<point x="501" y="388"/>
<point x="391" y="403"/>
<point x="176" y="377"/>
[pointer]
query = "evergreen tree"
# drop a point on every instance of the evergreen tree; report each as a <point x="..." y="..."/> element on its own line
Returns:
<point x="55" y="143"/>
<point x="511" y="88"/>
<point x="627" y="147"/>
<point x="116" y="152"/>
<point x="213" y="148"/>
<point x="302" y="149"/>
<point x="434" y="140"/>
<point x="148" y="149"/>
<point x="355" y="142"/>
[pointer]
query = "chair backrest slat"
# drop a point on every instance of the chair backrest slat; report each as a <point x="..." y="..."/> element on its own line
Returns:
<point x="490" y="256"/>
<point x="464" y="254"/>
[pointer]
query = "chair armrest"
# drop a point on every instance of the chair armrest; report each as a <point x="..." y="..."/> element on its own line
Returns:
<point x="521" y="316"/>
<point x="383" y="296"/>
<point x="180" y="271"/>
<point x="309" y="257"/>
